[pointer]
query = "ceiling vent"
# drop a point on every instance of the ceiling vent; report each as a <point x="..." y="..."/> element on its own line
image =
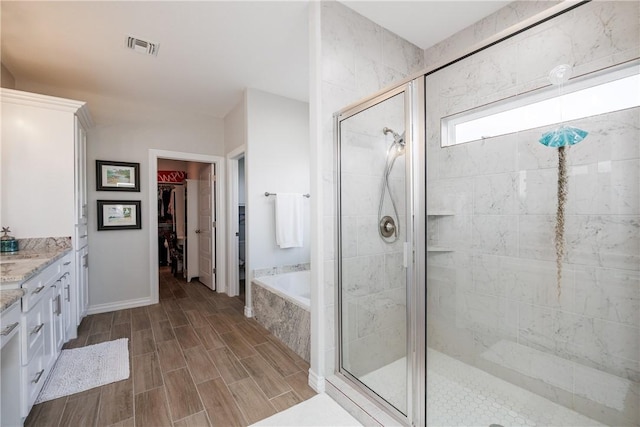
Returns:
<point x="143" y="46"/>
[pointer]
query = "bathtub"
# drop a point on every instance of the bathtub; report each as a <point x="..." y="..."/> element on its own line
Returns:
<point x="294" y="286"/>
<point x="281" y="304"/>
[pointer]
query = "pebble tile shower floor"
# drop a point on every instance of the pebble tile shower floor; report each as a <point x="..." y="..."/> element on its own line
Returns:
<point x="462" y="395"/>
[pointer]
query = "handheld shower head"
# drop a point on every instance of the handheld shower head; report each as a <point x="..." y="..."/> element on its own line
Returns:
<point x="398" y="139"/>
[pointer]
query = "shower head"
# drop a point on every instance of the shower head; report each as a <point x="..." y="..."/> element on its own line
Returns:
<point x="398" y="139"/>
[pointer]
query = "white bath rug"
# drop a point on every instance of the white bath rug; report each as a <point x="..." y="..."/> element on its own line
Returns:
<point x="84" y="368"/>
<point x="320" y="410"/>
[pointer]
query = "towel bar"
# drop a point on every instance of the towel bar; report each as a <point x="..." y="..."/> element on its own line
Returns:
<point x="267" y="194"/>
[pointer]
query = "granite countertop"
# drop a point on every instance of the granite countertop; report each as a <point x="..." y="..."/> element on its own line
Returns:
<point x="25" y="264"/>
<point x="8" y="297"/>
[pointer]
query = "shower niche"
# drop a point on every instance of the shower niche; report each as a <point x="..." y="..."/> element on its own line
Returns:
<point x="434" y="222"/>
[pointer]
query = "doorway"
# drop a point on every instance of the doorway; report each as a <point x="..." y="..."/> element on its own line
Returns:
<point x="184" y="199"/>
<point x="242" y="254"/>
<point x="237" y="237"/>
<point x="209" y="219"/>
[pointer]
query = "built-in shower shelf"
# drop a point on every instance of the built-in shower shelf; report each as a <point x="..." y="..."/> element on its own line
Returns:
<point x="439" y="249"/>
<point x="440" y="213"/>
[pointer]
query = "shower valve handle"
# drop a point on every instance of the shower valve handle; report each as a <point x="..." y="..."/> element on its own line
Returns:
<point x="387" y="226"/>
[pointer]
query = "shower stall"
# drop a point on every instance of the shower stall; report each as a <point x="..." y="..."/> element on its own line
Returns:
<point x="455" y="305"/>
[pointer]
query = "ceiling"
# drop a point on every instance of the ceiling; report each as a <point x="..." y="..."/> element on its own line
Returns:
<point x="425" y="23"/>
<point x="209" y="50"/>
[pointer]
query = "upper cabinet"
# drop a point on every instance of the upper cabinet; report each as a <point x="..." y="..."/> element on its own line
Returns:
<point x="43" y="158"/>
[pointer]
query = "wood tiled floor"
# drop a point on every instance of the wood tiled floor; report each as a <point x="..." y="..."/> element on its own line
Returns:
<point x="195" y="361"/>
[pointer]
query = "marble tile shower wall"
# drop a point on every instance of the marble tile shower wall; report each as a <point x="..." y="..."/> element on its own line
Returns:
<point x="493" y="301"/>
<point x="358" y="59"/>
<point x="373" y="278"/>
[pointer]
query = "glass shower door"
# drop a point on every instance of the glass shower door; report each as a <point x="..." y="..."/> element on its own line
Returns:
<point x="372" y="232"/>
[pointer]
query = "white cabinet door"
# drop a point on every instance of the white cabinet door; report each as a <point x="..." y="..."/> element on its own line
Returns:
<point x="206" y="231"/>
<point x="82" y="283"/>
<point x="10" y="414"/>
<point x="192" y="255"/>
<point x="48" y="305"/>
<point x="57" y="318"/>
<point x="81" y="173"/>
<point x="68" y="312"/>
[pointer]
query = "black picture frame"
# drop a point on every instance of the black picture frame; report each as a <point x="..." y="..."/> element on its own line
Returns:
<point x="119" y="215"/>
<point x="117" y="176"/>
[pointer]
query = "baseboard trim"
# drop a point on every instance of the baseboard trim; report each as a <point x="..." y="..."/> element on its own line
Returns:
<point x="248" y="311"/>
<point x="120" y="305"/>
<point x="316" y="382"/>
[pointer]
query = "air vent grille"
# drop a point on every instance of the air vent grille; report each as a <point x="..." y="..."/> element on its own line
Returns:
<point x="142" y="46"/>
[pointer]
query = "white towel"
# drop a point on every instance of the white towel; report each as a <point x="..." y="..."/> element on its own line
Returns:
<point x="289" y="220"/>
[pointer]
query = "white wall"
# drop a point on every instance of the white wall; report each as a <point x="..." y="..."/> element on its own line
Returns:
<point x="235" y="128"/>
<point x="119" y="260"/>
<point x="277" y="161"/>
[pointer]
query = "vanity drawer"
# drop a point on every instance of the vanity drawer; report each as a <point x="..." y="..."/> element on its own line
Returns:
<point x="33" y="378"/>
<point x="9" y="323"/>
<point x="35" y="287"/>
<point x="33" y="331"/>
<point x="66" y="263"/>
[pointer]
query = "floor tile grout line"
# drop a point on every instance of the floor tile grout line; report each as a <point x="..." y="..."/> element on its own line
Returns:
<point x="282" y="394"/>
<point x="209" y="304"/>
<point x="133" y="379"/>
<point x="263" y="394"/>
<point x="164" y="380"/>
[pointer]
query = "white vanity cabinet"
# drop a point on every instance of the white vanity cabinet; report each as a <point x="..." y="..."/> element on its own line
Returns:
<point x="44" y="190"/>
<point x="10" y="414"/>
<point x="42" y="332"/>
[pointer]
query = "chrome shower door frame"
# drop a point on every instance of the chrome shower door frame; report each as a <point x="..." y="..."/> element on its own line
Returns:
<point x="415" y="250"/>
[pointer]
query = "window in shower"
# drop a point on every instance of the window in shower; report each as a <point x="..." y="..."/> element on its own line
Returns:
<point x="586" y="97"/>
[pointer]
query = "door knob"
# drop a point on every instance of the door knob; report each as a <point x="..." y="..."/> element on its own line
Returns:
<point x="197" y="231"/>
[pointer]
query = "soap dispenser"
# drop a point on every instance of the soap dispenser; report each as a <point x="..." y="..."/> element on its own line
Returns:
<point x="8" y="244"/>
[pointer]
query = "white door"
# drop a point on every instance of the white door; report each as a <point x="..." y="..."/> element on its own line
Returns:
<point x="192" y="229"/>
<point x="206" y="220"/>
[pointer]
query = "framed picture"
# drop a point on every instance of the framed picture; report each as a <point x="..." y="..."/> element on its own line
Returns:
<point x="117" y="176"/>
<point x="119" y="215"/>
